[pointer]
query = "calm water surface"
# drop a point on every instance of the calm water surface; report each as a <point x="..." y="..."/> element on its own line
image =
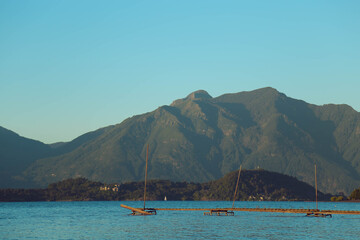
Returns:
<point x="107" y="220"/>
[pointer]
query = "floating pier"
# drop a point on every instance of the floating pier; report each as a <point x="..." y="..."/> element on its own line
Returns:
<point x="273" y="210"/>
<point x="219" y="212"/>
<point x="224" y="211"/>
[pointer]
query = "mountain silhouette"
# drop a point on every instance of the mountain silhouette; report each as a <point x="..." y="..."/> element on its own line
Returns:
<point x="201" y="138"/>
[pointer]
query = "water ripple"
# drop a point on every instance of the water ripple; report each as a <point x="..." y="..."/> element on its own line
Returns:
<point x="107" y="220"/>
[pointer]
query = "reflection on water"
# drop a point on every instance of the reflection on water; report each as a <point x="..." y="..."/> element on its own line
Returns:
<point x="107" y="220"/>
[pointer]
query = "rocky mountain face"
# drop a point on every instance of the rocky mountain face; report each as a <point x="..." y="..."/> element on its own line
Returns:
<point x="201" y="138"/>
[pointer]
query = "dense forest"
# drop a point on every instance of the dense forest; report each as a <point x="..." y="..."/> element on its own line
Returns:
<point x="253" y="185"/>
<point x="355" y="195"/>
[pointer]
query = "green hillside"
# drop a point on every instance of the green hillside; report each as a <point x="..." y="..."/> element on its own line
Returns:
<point x="16" y="154"/>
<point x="200" y="138"/>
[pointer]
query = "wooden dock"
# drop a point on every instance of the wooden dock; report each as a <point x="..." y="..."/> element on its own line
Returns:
<point x="220" y="211"/>
<point x="273" y="210"/>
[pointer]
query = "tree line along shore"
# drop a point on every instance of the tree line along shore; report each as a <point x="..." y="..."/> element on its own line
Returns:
<point x="254" y="185"/>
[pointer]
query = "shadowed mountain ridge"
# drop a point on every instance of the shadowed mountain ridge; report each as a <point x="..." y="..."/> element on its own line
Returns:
<point x="201" y="138"/>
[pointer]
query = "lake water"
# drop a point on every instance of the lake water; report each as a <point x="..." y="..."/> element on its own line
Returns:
<point x="107" y="220"/>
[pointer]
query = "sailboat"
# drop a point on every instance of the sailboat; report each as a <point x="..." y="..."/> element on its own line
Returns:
<point x="144" y="211"/>
<point x="317" y="214"/>
<point x="224" y="211"/>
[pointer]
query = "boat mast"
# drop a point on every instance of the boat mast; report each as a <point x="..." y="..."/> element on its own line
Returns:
<point x="146" y="166"/>
<point x="237" y="183"/>
<point x="316" y="197"/>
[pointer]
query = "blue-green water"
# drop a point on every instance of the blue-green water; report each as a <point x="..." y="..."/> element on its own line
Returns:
<point x="107" y="220"/>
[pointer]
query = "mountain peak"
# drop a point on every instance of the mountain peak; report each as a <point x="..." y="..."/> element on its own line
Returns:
<point x="200" y="94"/>
<point x="266" y="91"/>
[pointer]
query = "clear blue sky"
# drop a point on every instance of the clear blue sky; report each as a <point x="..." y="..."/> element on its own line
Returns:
<point x="70" y="67"/>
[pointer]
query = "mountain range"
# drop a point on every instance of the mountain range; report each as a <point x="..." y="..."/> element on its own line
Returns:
<point x="200" y="138"/>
